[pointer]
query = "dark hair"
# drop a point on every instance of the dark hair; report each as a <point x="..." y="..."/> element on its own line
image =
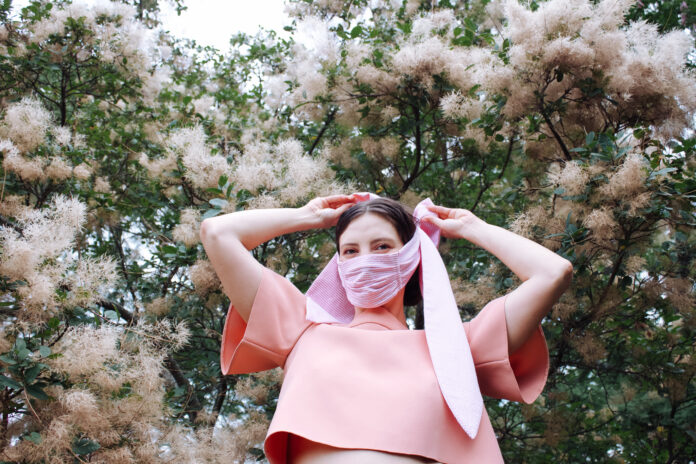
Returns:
<point x="403" y="222"/>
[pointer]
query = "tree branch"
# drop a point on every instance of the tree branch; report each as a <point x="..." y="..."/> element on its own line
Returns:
<point x="122" y="259"/>
<point x="221" y="395"/>
<point x="507" y="156"/>
<point x="113" y="306"/>
<point x="168" y="282"/>
<point x="418" y="152"/>
<point x="5" y="222"/>
<point x="327" y="123"/>
<point x="557" y="136"/>
<point x="181" y="381"/>
<point x="170" y="363"/>
<point x="502" y="172"/>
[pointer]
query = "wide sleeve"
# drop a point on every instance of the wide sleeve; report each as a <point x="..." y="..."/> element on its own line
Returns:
<point x="276" y="322"/>
<point x="518" y="377"/>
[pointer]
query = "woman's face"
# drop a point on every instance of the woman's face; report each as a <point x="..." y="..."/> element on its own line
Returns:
<point x="369" y="233"/>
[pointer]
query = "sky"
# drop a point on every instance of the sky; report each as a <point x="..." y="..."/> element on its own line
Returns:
<point x="213" y="22"/>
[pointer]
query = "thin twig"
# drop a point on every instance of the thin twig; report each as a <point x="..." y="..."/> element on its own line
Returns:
<point x="31" y="408"/>
<point x="2" y="192"/>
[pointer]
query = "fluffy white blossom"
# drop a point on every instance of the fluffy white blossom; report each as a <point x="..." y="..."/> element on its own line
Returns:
<point x="187" y="229"/>
<point x="26" y="123"/>
<point x="203" y="168"/>
<point x="283" y="171"/>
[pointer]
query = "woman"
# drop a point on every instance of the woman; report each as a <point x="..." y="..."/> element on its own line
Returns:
<point x="362" y="387"/>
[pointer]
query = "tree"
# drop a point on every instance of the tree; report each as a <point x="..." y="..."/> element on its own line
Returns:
<point x="569" y="123"/>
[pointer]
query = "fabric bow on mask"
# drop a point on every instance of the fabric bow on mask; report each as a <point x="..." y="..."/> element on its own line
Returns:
<point x="337" y="290"/>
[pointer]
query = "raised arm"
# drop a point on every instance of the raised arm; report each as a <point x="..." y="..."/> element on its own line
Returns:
<point x="544" y="274"/>
<point x="227" y="240"/>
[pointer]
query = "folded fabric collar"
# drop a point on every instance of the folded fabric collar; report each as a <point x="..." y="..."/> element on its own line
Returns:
<point x="447" y="343"/>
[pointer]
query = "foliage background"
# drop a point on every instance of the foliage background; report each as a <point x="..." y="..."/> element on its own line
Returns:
<point x="571" y="124"/>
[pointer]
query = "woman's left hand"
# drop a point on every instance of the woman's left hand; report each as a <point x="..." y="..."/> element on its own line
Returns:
<point x="453" y="222"/>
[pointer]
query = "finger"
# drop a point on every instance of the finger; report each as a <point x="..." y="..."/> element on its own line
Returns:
<point x="434" y="220"/>
<point x="335" y="201"/>
<point x="347" y="203"/>
<point x="441" y="211"/>
<point x="332" y="198"/>
<point x="340" y="210"/>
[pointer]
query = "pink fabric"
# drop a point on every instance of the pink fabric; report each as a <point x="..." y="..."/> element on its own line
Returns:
<point x="374" y="279"/>
<point x="446" y="338"/>
<point x="371" y="384"/>
<point x="276" y="328"/>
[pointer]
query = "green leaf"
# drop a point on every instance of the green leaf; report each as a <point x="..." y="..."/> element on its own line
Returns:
<point x="82" y="446"/>
<point x="9" y="383"/>
<point x="169" y="249"/>
<point x="218" y="203"/>
<point x="44" y="351"/>
<point x="23" y="353"/>
<point x="211" y="213"/>
<point x="655" y="174"/>
<point x="111" y="315"/>
<point x="341" y="32"/>
<point x="31" y="373"/>
<point x="589" y="138"/>
<point x="34" y="437"/>
<point x="37" y="392"/>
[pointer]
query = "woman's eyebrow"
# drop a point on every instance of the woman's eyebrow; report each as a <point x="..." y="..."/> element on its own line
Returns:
<point x="380" y="239"/>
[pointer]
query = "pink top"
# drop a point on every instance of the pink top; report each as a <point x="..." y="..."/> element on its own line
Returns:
<point x="370" y="384"/>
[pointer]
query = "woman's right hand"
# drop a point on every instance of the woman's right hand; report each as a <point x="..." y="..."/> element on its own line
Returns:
<point x="326" y="210"/>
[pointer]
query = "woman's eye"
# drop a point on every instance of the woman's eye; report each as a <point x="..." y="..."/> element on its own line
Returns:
<point x="383" y="246"/>
<point x="348" y="251"/>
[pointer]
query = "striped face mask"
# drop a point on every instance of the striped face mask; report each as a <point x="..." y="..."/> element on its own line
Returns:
<point x="374" y="279"/>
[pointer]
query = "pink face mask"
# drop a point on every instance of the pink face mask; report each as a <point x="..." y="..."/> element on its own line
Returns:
<point x="374" y="279"/>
